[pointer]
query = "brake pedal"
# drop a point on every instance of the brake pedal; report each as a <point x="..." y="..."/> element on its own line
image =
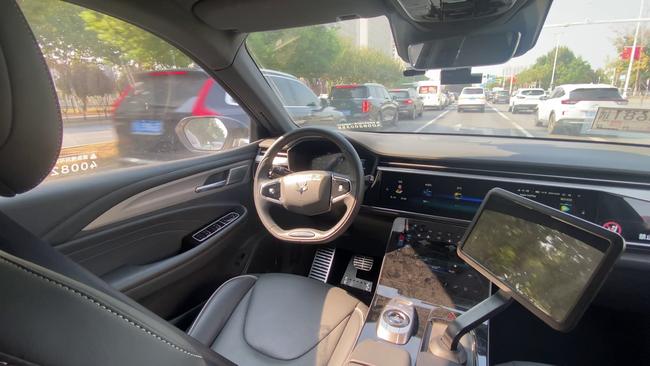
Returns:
<point x="322" y="264"/>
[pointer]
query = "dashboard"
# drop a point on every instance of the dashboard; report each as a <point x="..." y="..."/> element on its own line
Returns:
<point x="458" y="196"/>
<point x="453" y="192"/>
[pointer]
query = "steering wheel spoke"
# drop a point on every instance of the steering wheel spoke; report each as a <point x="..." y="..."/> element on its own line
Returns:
<point x="271" y="191"/>
<point x="341" y="187"/>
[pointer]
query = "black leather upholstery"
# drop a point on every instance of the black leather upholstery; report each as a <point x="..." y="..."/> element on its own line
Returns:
<point x="30" y="121"/>
<point x="49" y="319"/>
<point x="280" y="319"/>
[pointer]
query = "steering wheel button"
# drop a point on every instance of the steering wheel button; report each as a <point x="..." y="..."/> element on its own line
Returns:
<point x="272" y="191"/>
<point x="340" y="186"/>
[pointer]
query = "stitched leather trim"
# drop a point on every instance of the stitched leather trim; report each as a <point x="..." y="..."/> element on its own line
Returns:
<point x="198" y="317"/>
<point x="100" y="305"/>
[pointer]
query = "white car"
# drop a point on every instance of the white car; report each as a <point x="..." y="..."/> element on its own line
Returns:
<point x="471" y="98"/>
<point x="431" y="94"/>
<point x="526" y="99"/>
<point x="571" y="108"/>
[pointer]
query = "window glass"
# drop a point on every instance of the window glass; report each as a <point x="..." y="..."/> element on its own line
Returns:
<point x="304" y="96"/>
<point x="345" y="92"/>
<point x="285" y="91"/>
<point x="400" y="94"/>
<point x="472" y="91"/>
<point x="363" y="52"/>
<point x="532" y="92"/>
<point x="596" y="94"/>
<point x="123" y="92"/>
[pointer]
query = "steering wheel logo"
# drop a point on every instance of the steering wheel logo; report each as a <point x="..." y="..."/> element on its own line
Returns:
<point x="302" y="187"/>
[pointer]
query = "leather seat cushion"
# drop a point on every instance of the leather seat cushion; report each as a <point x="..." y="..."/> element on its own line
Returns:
<point x="280" y="319"/>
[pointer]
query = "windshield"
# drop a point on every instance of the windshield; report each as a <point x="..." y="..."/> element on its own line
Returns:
<point x="532" y="92"/>
<point x="400" y="94"/>
<point x="563" y="88"/>
<point x="347" y="91"/>
<point x="472" y="91"/>
<point x="161" y="90"/>
<point x="596" y="94"/>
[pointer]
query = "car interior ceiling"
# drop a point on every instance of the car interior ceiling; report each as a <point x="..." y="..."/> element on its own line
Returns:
<point x="58" y="235"/>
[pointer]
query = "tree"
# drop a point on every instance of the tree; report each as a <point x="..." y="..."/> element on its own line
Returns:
<point x="132" y="44"/>
<point x="362" y="65"/>
<point x="61" y="32"/>
<point x="88" y="80"/>
<point x="307" y="52"/>
<point x="569" y="69"/>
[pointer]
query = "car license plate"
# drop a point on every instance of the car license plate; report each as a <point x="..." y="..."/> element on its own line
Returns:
<point x="146" y="127"/>
<point x="622" y="119"/>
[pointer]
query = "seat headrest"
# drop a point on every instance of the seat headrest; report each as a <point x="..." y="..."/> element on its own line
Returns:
<point x="30" y="120"/>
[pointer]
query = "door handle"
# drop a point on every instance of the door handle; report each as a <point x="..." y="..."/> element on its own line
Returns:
<point x="231" y="176"/>
<point x="211" y="186"/>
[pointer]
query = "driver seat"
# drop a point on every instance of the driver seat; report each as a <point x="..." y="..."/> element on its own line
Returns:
<point x="280" y="319"/>
<point x="54" y="312"/>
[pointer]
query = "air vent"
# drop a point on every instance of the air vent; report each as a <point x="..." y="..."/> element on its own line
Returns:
<point x="322" y="264"/>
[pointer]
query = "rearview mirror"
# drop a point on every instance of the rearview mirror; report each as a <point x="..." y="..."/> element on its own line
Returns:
<point x="459" y="76"/>
<point x="481" y="49"/>
<point x="205" y="134"/>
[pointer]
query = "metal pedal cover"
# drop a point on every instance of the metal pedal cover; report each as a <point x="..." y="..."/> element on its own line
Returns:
<point x="363" y="263"/>
<point x="350" y="278"/>
<point x="322" y="264"/>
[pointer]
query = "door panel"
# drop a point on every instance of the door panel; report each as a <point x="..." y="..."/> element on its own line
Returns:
<point x="133" y="227"/>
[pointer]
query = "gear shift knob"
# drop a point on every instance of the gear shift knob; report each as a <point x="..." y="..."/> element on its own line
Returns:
<point x="397" y="321"/>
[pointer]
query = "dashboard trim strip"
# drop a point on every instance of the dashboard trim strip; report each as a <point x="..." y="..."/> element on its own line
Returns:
<point x="627" y="192"/>
<point x="439" y="167"/>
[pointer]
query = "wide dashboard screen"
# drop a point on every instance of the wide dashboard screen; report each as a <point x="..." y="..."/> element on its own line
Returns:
<point x="460" y="198"/>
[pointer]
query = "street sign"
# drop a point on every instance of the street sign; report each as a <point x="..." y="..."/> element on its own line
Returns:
<point x="622" y="119"/>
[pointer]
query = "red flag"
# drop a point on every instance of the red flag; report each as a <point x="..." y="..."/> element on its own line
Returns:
<point x="627" y="53"/>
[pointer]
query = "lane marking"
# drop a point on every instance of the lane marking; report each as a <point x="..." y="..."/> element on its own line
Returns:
<point x="432" y="121"/>
<point x="517" y="125"/>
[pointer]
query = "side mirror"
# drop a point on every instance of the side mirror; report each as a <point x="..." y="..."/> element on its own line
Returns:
<point x="324" y="102"/>
<point x="543" y="97"/>
<point x="209" y="134"/>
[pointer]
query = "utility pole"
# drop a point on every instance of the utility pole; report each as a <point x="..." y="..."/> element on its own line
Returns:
<point x="557" y="47"/>
<point x="633" y="53"/>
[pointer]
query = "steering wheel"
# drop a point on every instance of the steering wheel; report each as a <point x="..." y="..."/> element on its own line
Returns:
<point x="309" y="192"/>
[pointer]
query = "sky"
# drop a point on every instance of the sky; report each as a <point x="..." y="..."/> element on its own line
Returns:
<point x="593" y="42"/>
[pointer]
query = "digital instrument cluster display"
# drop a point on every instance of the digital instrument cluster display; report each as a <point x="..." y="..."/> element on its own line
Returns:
<point x="460" y="198"/>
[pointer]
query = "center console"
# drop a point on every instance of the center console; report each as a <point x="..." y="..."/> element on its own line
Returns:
<point x="423" y="285"/>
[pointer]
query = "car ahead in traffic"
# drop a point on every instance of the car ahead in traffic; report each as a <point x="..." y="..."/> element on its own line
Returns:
<point x="501" y="97"/>
<point x="147" y="112"/>
<point x="431" y="94"/>
<point x="525" y="99"/>
<point x="571" y="108"/>
<point x="471" y="98"/>
<point x="409" y="103"/>
<point x="369" y="103"/>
